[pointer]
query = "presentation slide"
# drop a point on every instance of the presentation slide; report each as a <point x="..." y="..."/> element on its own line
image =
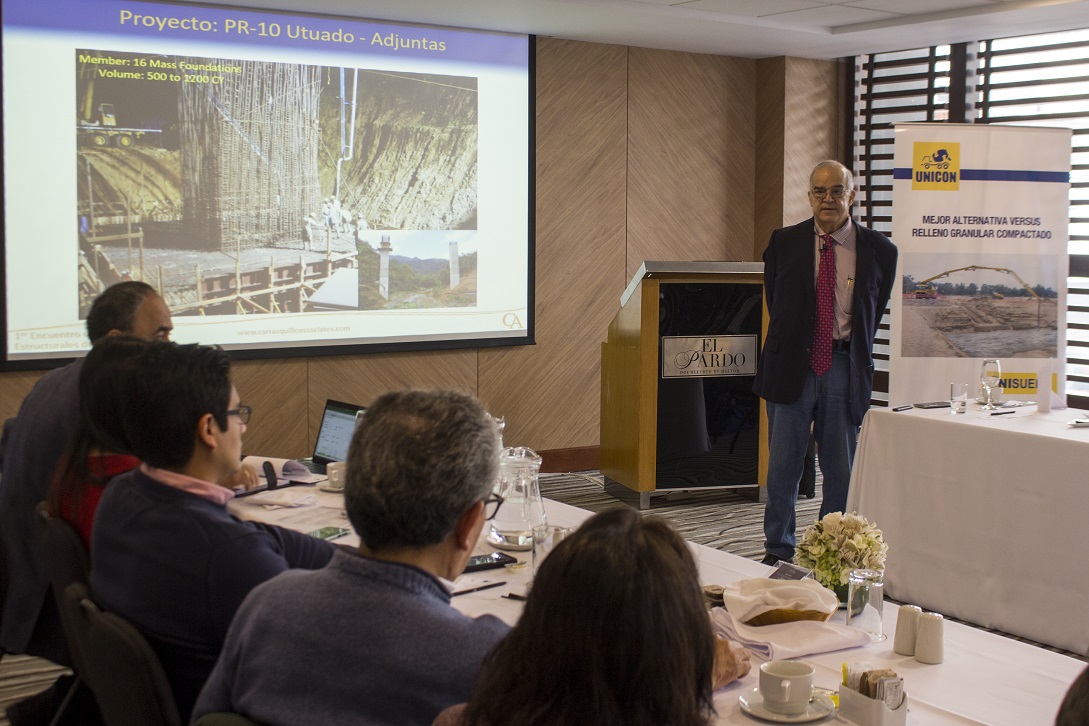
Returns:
<point x="284" y="181"/>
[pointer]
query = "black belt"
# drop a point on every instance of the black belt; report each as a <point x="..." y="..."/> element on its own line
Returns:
<point x="841" y="344"/>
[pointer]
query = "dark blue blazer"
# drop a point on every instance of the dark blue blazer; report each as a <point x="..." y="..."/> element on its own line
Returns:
<point x="789" y="291"/>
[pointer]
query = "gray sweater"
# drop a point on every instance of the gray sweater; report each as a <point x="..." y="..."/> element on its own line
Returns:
<point x="360" y="641"/>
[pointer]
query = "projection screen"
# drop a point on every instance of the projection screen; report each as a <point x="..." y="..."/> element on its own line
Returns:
<point x="291" y="184"/>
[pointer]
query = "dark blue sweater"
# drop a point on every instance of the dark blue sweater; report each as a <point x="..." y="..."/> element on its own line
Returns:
<point x="177" y="566"/>
<point x="362" y="641"/>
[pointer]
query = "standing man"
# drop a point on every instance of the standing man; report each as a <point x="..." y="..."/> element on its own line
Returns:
<point x="826" y="283"/>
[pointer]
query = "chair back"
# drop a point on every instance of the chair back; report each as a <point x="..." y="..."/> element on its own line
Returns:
<point x="121" y="668"/>
<point x="66" y="562"/>
<point x="3" y="584"/>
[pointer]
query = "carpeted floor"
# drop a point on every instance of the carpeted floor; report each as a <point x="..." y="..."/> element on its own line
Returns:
<point x="727" y="520"/>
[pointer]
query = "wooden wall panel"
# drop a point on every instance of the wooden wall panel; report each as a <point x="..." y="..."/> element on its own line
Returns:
<point x="277" y="391"/>
<point x="362" y="378"/>
<point x="691" y="157"/>
<point x="799" y="124"/>
<point x="770" y="99"/>
<point x="13" y="389"/>
<point x="548" y="393"/>
<point x="812" y="131"/>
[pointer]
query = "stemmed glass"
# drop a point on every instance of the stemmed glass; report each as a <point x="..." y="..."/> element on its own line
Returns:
<point x="990" y="374"/>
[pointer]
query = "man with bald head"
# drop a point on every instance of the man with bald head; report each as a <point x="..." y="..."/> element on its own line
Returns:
<point x="827" y="281"/>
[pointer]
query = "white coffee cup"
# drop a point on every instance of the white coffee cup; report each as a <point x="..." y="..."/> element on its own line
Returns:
<point x="930" y="639"/>
<point x="337" y="471"/>
<point x="786" y="686"/>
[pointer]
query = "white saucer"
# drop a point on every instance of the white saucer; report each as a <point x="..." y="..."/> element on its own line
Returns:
<point x="326" y="487"/>
<point x="820" y="706"/>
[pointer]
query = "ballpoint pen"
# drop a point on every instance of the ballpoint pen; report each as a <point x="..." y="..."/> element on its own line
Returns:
<point x="478" y="588"/>
<point x="1002" y="413"/>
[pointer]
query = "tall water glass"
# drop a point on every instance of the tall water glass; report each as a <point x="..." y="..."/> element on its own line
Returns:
<point x="990" y="375"/>
<point x="523" y="509"/>
<point x="958" y="398"/>
<point x="865" y="602"/>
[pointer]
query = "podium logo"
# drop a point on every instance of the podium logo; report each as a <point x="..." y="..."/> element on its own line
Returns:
<point x="936" y="166"/>
<point x="709" y="356"/>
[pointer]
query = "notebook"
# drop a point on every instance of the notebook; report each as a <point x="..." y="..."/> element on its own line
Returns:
<point x="334" y="435"/>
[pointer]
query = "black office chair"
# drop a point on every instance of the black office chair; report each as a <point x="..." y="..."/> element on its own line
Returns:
<point x="66" y="562"/>
<point x="3" y="584"/>
<point x="121" y="668"/>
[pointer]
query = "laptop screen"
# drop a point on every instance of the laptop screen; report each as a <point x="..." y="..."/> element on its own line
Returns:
<point x="335" y="433"/>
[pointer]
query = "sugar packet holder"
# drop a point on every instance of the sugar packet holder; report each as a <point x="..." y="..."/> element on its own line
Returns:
<point x="866" y="694"/>
<point x="859" y="709"/>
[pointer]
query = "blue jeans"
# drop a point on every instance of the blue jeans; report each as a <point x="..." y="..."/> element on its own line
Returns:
<point x="823" y="406"/>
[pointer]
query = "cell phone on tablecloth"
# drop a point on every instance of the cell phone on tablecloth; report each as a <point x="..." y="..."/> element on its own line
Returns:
<point x="489" y="562"/>
<point x="330" y="533"/>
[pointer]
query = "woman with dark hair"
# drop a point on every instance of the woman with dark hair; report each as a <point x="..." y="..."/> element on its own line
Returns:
<point x="99" y="448"/>
<point x="615" y="633"/>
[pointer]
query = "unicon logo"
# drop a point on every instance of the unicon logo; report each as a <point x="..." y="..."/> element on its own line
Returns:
<point x="936" y="166"/>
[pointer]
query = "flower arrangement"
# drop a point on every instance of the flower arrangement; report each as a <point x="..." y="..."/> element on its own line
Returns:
<point x="839" y="543"/>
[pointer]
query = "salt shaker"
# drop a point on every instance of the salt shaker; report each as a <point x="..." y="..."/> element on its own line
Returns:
<point x="907" y="626"/>
<point x="930" y="639"/>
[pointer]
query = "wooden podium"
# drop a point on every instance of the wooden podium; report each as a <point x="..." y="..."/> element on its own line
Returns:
<point x="677" y="408"/>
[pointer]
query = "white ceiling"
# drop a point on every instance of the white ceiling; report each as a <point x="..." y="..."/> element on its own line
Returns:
<point x="744" y="28"/>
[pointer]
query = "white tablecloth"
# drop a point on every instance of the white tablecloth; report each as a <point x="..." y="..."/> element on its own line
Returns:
<point x="986" y="517"/>
<point x="985" y="679"/>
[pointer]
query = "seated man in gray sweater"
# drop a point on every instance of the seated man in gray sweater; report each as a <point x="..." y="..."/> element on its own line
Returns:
<point x="372" y="638"/>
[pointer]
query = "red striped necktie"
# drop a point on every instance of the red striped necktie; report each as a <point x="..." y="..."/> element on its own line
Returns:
<point x="820" y="360"/>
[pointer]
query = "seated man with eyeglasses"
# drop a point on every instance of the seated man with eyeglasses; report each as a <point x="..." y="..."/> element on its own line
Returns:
<point x="165" y="553"/>
<point x="372" y="638"/>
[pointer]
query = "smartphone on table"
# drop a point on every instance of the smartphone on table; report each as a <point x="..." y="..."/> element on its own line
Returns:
<point x="330" y="533"/>
<point x="489" y="561"/>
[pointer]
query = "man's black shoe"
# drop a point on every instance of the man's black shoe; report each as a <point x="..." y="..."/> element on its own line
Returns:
<point x="773" y="560"/>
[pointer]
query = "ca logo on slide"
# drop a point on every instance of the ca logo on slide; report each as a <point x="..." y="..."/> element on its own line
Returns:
<point x="936" y="166"/>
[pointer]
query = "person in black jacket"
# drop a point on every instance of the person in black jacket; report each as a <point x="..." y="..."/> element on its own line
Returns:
<point x="816" y="367"/>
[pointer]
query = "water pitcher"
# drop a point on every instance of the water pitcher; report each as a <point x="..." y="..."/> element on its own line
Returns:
<point x="522" y="508"/>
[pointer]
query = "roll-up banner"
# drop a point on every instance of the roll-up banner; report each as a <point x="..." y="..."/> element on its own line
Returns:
<point x="980" y="215"/>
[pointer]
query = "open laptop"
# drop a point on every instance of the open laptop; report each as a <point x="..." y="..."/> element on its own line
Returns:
<point x="334" y="435"/>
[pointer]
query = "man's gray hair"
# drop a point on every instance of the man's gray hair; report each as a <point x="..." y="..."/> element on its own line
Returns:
<point x="418" y="461"/>
<point x="837" y="165"/>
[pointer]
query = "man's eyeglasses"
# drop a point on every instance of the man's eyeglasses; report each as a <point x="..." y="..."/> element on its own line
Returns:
<point x="242" y="412"/>
<point x="834" y="192"/>
<point x="491" y="506"/>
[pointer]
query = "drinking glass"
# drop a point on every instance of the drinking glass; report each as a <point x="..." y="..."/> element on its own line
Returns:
<point x="958" y="398"/>
<point x="545" y="539"/>
<point x="865" y="602"/>
<point x="990" y="374"/>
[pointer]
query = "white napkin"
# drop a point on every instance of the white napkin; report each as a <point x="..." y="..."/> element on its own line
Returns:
<point x="746" y="599"/>
<point x="788" y="640"/>
<point x="290" y="497"/>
